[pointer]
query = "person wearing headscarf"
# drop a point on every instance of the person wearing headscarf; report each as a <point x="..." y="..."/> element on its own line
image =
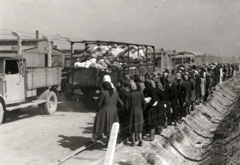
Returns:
<point x="173" y="94"/>
<point x="187" y="94"/>
<point x="192" y="79"/>
<point x="197" y="87"/>
<point x="107" y="113"/>
<point x="150" y="113"/>
<point x="136" y="104"/>
<point x="179" y="85"/>
<point x="141" y="83"/>
<point x="138" y="83"/>
<point x="163" y="78"/>
<point x="203" y="84"/>
<point x="209" y="83"/>
<point x="122" y="111"/>
<point x="107" y="78"/>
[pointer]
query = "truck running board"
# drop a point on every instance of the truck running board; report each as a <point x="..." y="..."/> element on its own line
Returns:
<point x="31" y="104"/>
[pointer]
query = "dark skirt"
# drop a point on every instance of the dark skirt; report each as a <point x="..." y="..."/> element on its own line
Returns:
<point x="136" y="120"/>
<point x="151" y="117"/>
<point x="104" y="120"/>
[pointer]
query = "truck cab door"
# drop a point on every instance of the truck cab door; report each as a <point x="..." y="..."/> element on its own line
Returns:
<point x="13" y="82"/>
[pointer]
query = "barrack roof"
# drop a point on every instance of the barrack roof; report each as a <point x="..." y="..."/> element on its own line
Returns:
<point x="24" y="42"/>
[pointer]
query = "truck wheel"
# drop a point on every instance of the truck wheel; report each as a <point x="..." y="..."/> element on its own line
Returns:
<point x="1" y="113"/>
<point x="50" y="106"/>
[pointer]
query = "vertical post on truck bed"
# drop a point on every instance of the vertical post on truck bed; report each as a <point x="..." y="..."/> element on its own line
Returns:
<point x="49" y="49"/>
<point x="146" y="59"/>
<point x="161" y="59"/>
<point x="174" y="62"/>
<point x="137" y="59"/>
<point x="19" y="41"/>
<point x="71" y="53"/>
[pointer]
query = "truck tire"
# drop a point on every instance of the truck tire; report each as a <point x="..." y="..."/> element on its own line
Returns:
<point x="2" y="113"/>
<point x="50" y="106"/>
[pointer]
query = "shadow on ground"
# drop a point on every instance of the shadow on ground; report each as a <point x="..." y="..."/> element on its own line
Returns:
<point x="75" y="142"/>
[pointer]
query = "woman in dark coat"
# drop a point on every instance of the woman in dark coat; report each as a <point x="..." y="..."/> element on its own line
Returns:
<point x="136" y="104"/>
<point x="107" y="113"/>
<point x="151" y="112"/>
<point x="197" y="87"/>
<point x="173" y="94"/>
<point x="187" y="88"/>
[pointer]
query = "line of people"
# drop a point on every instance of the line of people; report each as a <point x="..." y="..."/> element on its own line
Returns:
<point x="145" y="105"/>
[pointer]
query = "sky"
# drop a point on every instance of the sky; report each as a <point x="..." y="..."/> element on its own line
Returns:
<point x="205" y="26"/>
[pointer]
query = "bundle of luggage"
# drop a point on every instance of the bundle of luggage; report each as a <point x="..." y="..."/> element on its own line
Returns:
<point x="103" y="57"/>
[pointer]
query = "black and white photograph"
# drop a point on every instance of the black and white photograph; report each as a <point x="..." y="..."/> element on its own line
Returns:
<point x="119" y="82"/>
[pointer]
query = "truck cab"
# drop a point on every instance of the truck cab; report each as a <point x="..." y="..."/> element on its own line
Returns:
<point x="12" y="79"/>
<point x="28" y="78"/>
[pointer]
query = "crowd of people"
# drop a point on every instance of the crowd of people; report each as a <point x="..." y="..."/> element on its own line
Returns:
<point x="144" y="105"/>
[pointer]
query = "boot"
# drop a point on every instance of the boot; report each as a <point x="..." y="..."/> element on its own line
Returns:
<point x="152" y="135"/>
<point x="158" y="130"/>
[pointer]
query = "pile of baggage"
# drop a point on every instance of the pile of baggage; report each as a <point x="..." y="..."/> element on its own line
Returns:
<point x="103" y="57"/>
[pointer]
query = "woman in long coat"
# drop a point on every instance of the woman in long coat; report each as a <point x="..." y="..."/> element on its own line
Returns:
<point x="197" y="87"/>
<point x="203" y="84"/>
<point x="136" y="104"/>
<point x="107" y="113"/>
<point x="193" y="94"/>
<point x="151" y="111"/>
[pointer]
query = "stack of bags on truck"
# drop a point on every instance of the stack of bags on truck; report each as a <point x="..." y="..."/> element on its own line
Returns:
<point x="104" y="57"/>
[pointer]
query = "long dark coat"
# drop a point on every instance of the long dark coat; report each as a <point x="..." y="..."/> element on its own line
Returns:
<point x="136" y="104"/>
<point x="123" y="113"/>
<point x="193" y="82"/>
<point x="107" y="112"/>
<point x="163" y="98"/>
<point x="187" y="88"/>
<point x="173" y="95"/>
<point x="198" y="85"/>
<point x="151" y="112"/>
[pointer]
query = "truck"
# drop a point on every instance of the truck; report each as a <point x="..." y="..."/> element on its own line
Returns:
<point x="85" y="82"/>
<point x="28" y="79"/>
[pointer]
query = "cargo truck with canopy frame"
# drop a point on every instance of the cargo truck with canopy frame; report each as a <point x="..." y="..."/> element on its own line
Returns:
<point x="85" y="81"/>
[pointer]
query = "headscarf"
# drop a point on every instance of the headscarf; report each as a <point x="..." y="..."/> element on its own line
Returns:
<point x="133" y="85"/>
<point x="136" y="78"/>
<point x="107" y="86"/>
<point x="153" y="83"/>
<point x="148" y="84"/>
<point x="160" y="86"/>
<point x="141" y="78"/>
<point x="107" y="78"/>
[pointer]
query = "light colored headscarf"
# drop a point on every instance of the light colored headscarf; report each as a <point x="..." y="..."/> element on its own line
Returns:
<point x="108" y="79"/>
<point x="133" y="85"/>
<point x="153" y="83"/>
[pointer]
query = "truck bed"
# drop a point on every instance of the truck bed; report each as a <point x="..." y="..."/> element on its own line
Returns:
<point x="43" y="77"/>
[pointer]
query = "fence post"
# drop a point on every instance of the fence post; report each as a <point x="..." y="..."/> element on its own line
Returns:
<point x="111" y="144"/>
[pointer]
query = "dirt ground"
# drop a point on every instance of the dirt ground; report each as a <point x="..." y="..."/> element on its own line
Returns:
<point x="28" y="137"/>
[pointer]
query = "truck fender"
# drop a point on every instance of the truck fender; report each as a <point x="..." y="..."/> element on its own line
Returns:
<point x="54" y="89"/>
<point x="44" y="95"/>
<point x="3" y="102"/>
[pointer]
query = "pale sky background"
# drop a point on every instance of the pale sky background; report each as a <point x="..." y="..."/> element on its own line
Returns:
<point x="207" y="26"/>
